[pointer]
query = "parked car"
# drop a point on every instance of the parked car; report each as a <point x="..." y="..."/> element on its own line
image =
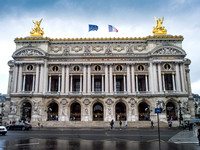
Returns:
<point x="19" y="126"/>
<point x="3" y="130"/>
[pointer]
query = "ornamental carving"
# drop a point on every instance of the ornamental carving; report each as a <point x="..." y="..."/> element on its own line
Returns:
<point x="118" y="48"/>
<point x="109" y="101"/>
<point x="66" y="50"/>
<point x="108" y="49"/>
<point x="140" y="47"/>
<point x="167" y="51"/>
<point x="77" y="48"/>
<point x="86" y="102"/>
<point x="87" y="49"/>
<point x="63" y="101"/>
<point x="29" y="52"/>
<point x="132" y="101"/>
<point x="97" y="48"/>
<point x="129" y="49"/>
<point x="56" y="49"/>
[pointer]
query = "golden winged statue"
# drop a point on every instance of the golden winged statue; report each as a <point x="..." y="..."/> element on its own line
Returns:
<point x="37" y="31"/>
<point x="159" y="29"/>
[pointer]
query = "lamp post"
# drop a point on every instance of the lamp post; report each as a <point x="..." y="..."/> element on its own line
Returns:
<point x="180" y="114"/>
<point x="195" y="105"/>
<point x="2" y="107"/>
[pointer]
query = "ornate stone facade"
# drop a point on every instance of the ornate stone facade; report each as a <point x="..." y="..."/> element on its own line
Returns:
<point x="88" y="80"/>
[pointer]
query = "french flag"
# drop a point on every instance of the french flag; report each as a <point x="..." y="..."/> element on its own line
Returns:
<point x="112" y="29"/>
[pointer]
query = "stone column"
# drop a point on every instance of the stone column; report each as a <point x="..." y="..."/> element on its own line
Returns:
<point x="84" y="79"/>
<point x="136" y="78"/>
<point x="24" y="82"/>
<point x="59" y="83"/>
<point x="159" y="78"/>
<point x="41" y="78"/>
<point x="92" y="83"/>
<point x="115" y="88"/>
<point x="37" y="78"/>
<point x="49" y="83"/>
<point x="124" y="78"/>
<point x="178" y="86"/>
<point x="163" y="80"/>
<point x="81" y="81"/>
<point x="146" y="82"/>
<point x="89" y="79"/>
<point x="155" y="78"/>
<point x="67" y="80"/>
<point x="33" y="84"/>
<point x="71" y="79"/>
<point x="106" y="79"/>
<point x="19" y="88"/>
<point x="45" y="85"/>
<point x="10" y="82"/>
<point x="128" y="79"/>
<point x="111" y="79"/>
<point x="102" y="82"/>
<point x="151" y="80"/>
<point x="133" y="78"/>
<point x="173" y="82"/>
<point x="63" y="80"/>
<point x="15" y="78"/>
<point x="182" y="78"/>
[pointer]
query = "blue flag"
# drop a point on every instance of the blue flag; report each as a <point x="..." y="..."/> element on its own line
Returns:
<point x="93" y="27"/>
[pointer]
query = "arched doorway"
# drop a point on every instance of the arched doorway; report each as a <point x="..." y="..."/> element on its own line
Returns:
<point x="52" y="111"/>
<point x="97" y="112"/>
<point x="120" y="111"/>
<point x="75" y="112"/>
<point x="26" y="109"/>
<point x="171" y="111"/>
<point x="144" y="111"/>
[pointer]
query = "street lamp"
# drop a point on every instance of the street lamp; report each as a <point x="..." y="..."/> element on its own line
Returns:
<point x="180" y="114"/>
<point x="2" y="107"/>
<point x="195" y="105"/>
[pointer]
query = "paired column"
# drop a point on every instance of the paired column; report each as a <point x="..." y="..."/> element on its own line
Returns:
<point x="159" y="78"/>
<point x="155" y="83"/>
<point x="124" y="79"/>
<point x="63" y="80"/>
<point x="136" y="78"/>
<point x="111" y="79"/>
<point x="45" y="85"/>
<point x="151" y="79"/>
<point x="84" y="79"/>
<point x="92" y="83"/>
<point x="128" y="79"/>
<point x="15" y="78"/>
<point x="163" y="80"/>
<point x="89" y="79"/>
<point x="19" y="88"/>
<point x="71" y="78"/>
<point x="173" y="82"/>
<point x="67" y="80"/>
<point x="59" y="83"/>
<point x="33" y="84"/>
<point x="146" y="82"/>
<point x="49" y="83"/>
<point x="133" y="78"/>
<point x="37" y="78"/>
<point x="182" y="78"/>
<point x="178" y="78"/>
<point x="115" y="90"/>
<point x="102" y="83"/>
<point x="24" y="82"/>
<point x="106" y="78"/>
<point x="81" y="81"/>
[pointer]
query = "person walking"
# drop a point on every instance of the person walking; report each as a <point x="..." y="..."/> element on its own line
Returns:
<point x="120" y="125"/>
<point x="126" y="124"/>
<point x="111" y="124"/>
<point x="38" y="123"/>
<point x="198" y="136"/>
<point x="152" y="124"/>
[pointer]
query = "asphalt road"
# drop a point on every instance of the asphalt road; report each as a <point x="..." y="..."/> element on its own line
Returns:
<point x="86" y="139"/>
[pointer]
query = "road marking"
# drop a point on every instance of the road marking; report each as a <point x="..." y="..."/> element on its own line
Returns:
<point x="27" y="144"/>
<point x="154" y="140"/>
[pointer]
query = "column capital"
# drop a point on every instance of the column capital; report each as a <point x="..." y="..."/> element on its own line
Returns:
<point x="163" y="73"/>
<point x="49" y="75"/>
<point x="33" y="74"/>
<point x="114" y="75"/>
<point x="124" y="75"/>
<point x="173" y="73"/>
<point x="92" y="75"/>
<point x="71" y="75"/>
<point x="81" y="75"/>
<point x="136" y="75"/>
<point x="59" y="75"/>
<point x="102" y="75"/>
<point x="146" y="75"/>
<point x="24" y="74"/>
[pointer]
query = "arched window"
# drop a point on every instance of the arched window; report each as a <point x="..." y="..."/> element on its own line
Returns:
<point x="52" y="111"/>
<point x="120" y="111"/>
<point x="171" y="111"/>
<point x="144" y="111"/>
<point x="75" y="112"/>
<point x="97" y="112"/>
<point x="26" y="109"/>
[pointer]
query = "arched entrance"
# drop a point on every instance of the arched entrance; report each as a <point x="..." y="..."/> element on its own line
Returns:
<point x="120" y="111"/>
<point x="26" y="109"/>
<point x="75" y="112"/>
<point x="171" y="111"/>
<point x="144" y="111"/>
<point x="52" y="111"/>
<point x="97" y="112"/>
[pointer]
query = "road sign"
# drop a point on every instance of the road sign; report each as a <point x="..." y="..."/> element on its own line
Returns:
<point x="158" y="110"/>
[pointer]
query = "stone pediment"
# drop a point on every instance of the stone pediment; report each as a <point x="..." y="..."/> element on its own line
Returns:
<point x="29" y="51"/>
<point x="168" y="50"/>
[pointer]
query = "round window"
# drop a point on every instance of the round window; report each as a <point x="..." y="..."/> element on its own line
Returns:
<point x="55" y="68"/>
<point x="167" y="66"/>
<point x="29" y="67"/>
<point x="76" y="68"/>
<point x="97" y="68"/>
<point x="119" y="68"/>
<point x="141" y="68"/>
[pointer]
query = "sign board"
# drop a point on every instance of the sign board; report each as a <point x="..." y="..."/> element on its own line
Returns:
<point x="158" y="110"/>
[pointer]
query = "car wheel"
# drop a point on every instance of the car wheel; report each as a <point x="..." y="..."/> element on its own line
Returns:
<point x="23" y="128"/>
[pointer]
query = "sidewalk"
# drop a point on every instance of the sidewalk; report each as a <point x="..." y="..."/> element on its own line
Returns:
<point x="184" y="136"/>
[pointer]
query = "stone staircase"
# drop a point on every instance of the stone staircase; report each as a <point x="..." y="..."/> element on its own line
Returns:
<point x="100" y="124"/>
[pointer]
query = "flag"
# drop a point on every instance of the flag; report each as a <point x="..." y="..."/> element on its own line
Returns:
<point x="93" y="27"/>
<point x="112" y="29"/>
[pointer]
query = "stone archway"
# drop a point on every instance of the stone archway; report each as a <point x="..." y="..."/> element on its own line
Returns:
<point x="26" y="109"/>
<point x="171" y="111"/>
<point x="52" y="111"/>
<point x="120" y="111"/>
<point x="75" y="112"/>
<point x="144" y="111"/>
<point x="98" y="112"/>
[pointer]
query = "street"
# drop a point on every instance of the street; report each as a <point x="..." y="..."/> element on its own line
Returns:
<point x="74" y="139"/>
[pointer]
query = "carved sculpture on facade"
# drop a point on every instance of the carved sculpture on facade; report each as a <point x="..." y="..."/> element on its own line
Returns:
<point x="87" y="49"/>
<point x="109" y="101"/>
<point x="66" y="50"/>
<point x="108" y="49"/>
<point x="64" y="111"/>
<point x="29" y="52"/>
<point x="13" y="108"/>
<point x="36" y="107"/>
<point x="86" y="102"/>
<point x="129" y="49"/>
<point x="37" y="31"/>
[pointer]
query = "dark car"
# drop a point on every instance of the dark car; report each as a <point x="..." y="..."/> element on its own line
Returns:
<point x="19" y="126"/>
<point x="3" y="130"/>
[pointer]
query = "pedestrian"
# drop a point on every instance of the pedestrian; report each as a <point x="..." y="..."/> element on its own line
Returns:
<point x="111" y="124"/>
<point x="126" y="124"/>
<point x="39" y="123"/>
<point x="152" y="124"/>
<point x="120" y="124"/>
<point x="170" y="123"/>
<point x="198" y="136"/>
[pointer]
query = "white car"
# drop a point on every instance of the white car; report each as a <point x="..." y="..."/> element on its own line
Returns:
<point x="3" y="130"/>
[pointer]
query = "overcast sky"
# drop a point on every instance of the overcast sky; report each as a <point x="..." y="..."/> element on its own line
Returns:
<point x="70" y="19"/>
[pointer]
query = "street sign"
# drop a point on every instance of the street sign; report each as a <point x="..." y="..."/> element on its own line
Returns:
<point x="158" y="110"/>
